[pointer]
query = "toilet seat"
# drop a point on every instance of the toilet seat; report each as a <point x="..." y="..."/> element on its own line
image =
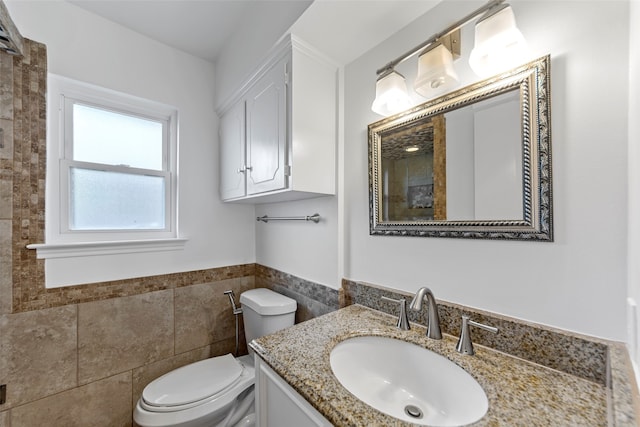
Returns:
<point x="193" y="385"/>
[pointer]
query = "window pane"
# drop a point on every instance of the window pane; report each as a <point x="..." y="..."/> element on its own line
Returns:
<point x="101" y="136"/>
<point x="102" y="200"/>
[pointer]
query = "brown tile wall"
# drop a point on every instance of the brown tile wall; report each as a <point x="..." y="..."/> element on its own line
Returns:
<point x="81" y="355"/>
<point x="313" y="299"/>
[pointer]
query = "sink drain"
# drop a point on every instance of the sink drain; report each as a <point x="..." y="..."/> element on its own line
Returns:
<point x="413" y="411"/>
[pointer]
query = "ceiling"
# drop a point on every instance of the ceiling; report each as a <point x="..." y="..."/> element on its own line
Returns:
<point x="343" y="29"/>
<point x="199" y="27"/>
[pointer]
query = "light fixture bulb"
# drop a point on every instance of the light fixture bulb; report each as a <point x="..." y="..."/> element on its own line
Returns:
<point x="391" y="94"/>
<point x="435" y="71"/>
<point x="436" y="83"/>
<point x="412" y="149"/>
<point x="499" y="45"/>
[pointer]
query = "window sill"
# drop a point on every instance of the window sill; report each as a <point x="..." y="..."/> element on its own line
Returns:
<point x="81" y="249"/>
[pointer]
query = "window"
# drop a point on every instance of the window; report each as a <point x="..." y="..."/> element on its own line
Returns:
<point x="115" y="170"/>
<point x="112" y="169"/>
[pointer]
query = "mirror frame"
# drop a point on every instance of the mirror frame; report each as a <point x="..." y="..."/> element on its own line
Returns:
<point x="533" y="82"/>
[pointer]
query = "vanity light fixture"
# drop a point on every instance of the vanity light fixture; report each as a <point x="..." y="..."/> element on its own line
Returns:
<point x="412" y="149"/>
<point x="499" y="44"/>
<point x="435" y="66"/>
<point x="497" y="39"/>
<point x="391" y="94"/>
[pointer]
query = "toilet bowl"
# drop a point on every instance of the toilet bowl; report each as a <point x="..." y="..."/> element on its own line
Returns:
<point x="218" y="391"/>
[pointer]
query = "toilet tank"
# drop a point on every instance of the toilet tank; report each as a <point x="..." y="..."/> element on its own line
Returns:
<point x="265" y="312"/>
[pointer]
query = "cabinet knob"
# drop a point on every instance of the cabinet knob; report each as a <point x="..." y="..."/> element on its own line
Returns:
<point x="244" y="169"/>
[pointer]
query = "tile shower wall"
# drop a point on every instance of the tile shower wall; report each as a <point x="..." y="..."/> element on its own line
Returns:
<point x="81" y="355"/>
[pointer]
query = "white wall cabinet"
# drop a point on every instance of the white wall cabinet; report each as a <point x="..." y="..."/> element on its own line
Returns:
<point x="232" y="153"/>
<point x="278" y="404"/>
<point x="278" y="133"/>
<point x="266" y="138"/>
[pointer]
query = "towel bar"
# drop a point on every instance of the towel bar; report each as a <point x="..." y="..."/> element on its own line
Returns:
<point x="315" y="218"/>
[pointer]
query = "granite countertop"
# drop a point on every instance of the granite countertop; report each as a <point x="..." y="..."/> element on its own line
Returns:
<point x="519" y="392"/>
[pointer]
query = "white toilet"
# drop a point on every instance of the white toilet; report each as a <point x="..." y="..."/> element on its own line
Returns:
<point x="218" y="391"/>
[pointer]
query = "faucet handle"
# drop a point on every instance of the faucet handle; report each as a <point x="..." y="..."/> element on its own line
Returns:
<point x="465" y="346"/>
<point x="403" y="318"/>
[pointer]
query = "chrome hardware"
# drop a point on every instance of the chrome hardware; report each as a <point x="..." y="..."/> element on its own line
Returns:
<point x="465" y="346"/>
<point x="244" y="169"/>
<point x="313" y="218"/>
<point x="413" y="411"/>
<point x="433" y="320"/>
<point x="236" y="312"/>
<point x="403" y="319"/>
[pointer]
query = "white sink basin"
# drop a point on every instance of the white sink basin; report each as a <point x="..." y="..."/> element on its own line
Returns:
<point x="408" y="382"/>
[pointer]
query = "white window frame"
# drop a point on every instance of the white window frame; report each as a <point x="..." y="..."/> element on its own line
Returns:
<point x="60" y="241"/>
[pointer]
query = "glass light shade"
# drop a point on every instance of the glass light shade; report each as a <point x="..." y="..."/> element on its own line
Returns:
<point x="499" y="45"/>
<point x="435" y="71"/>
<point x="391" y="95"/>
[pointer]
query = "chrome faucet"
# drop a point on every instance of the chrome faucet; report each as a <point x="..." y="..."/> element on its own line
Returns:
<point x="403" y="318"/>
<point x="465" y="346"/>
<point x="433" y="320"/>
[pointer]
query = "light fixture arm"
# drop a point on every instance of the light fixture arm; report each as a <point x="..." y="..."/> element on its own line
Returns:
<point x="458" y="24"/>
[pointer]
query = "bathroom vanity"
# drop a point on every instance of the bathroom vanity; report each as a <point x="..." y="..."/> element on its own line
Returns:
<point x="294" y="366"/>
<point x="280" y="404"/>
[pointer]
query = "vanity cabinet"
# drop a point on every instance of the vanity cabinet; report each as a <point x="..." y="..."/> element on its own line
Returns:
<point x="278" y="136"/>
<point x="278" y="404"/>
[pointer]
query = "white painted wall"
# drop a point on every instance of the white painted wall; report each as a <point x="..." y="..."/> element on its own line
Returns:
<point x="461" y="198"/>
<point x="634" y="181"/>
<point x="301" y="248"/>
<point x="579" y="281"/>
<point x="569" y="283"/>
<point x="250" y="44"/>
<point x="497" y="125"/>
<point x="85" y="47"/>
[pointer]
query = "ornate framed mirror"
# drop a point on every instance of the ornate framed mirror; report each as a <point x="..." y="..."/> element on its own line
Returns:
<point x="474" y="163"/>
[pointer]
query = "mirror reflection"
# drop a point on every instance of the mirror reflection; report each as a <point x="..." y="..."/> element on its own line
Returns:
<point x="472" y="163"/>
<point x="413" y="160"/>
<point x="462" y="165"/>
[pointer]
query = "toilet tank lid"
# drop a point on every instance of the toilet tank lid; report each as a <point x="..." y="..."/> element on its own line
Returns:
<point x="267" y="302"/>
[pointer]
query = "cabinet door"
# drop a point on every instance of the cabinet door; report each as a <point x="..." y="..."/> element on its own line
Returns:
<point x="279" y="405"/>
<point x="232" y="153"/>
<point x="267" y="131"/>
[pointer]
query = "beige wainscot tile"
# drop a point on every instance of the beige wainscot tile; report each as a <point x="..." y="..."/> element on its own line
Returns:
<point x="102" y="403"/>
<point x="6" y="142"/>
<point x="6" y="198"/>
<point x="4" y="419"/>
<point x="147" y="373"/>
<point x="6" y="86"/>
<point x="228" y="345"/>
<point x="38" y="354"/>
<point x="203" y="312"/>
<point x="120" y="334"/>
<point x="6" y="282"/>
